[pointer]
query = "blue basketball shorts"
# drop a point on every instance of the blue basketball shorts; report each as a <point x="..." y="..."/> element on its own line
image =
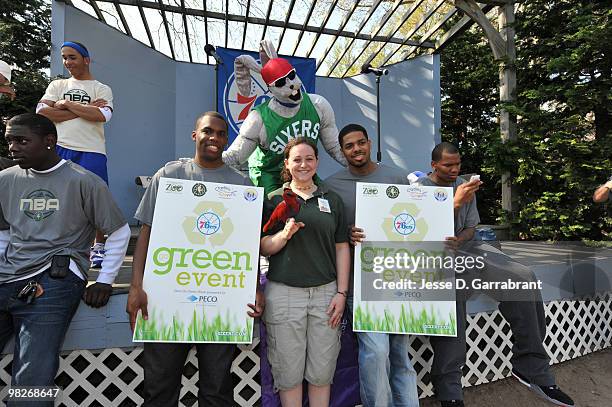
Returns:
<point x="94" y="162"/>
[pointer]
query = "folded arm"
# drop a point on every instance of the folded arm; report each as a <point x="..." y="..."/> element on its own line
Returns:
<point x="47" y="109"/>
<point x="90" y="112"/>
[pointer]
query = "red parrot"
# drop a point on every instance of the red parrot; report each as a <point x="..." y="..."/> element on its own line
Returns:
<point x="288" y="208"/>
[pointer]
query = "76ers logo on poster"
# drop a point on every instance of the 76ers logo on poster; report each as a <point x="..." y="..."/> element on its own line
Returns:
<point x="237" y="106"/>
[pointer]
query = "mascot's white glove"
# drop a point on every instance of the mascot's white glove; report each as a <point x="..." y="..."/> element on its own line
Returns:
<point x="243" y="65"/>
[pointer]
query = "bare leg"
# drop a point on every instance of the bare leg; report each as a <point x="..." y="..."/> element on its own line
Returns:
<point x="318" y="396"/>
<point x="291" y="397"/>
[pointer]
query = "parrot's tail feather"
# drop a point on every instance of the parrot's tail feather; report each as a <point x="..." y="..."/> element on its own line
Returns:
<point x="267" y="226"/>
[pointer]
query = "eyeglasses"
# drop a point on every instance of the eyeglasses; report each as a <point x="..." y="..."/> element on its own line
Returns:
<point x="279" y="83"/>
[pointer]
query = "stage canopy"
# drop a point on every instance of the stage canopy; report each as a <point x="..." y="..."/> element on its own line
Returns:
<point x="342" y="35"/>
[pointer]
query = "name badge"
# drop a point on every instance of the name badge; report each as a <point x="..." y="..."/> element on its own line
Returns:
<point x="324" y="205"/>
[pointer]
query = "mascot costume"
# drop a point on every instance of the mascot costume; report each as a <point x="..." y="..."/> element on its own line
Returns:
<point x="290" y="113"/>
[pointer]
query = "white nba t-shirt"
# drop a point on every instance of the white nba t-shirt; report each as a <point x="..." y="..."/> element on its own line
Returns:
<point x="80" y="134"/>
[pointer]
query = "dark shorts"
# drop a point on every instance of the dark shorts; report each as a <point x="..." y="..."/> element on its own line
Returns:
<point x="94" y="162"/>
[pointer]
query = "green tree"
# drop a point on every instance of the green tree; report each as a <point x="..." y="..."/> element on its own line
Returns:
<point x="564" y="145"/>
<point x="25" y="41"/>
<point x="564" y="101"/>
<point x="469" y="113"/>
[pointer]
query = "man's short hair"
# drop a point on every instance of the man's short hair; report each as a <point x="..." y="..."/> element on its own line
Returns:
<point x="349" y="128"/>
<point x="443" y="147"/>
<point x="214" y="114"/>
<point x="39" y="124"/>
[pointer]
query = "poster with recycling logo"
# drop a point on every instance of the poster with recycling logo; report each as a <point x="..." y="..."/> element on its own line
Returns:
<point x="201" y="265"/>
<point x="403" y="271"/>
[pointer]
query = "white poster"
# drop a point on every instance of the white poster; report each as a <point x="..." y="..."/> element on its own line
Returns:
<point x="201" y="266"/>
<point x="403" y="272"/>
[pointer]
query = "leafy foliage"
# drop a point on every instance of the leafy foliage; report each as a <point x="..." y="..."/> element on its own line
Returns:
<point x="25" y="41"/>
<point x="469" y="113"/>
<point x="564" y="145"/>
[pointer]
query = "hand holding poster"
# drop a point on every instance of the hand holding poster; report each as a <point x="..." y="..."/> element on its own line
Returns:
<point x="403" y="271"/>
<point x="202" y="262"/>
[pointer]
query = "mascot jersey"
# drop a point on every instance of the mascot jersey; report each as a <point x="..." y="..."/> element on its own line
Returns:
<point x="265" y="165"/>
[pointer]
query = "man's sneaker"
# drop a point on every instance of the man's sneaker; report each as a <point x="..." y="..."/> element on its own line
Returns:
<point x="97" y="255"/>
<point x="452" y="403"/>
<point x="550" y="393"/>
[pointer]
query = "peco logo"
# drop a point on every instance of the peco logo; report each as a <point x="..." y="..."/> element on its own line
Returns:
<point x="203" y="298"/>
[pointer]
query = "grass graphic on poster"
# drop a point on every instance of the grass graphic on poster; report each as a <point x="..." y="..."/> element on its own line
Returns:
<point x="199" y="329"/>
<point x="408" y="321"/>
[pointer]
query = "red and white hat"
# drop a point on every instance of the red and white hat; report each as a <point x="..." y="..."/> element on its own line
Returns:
<point x="276" y="68"/>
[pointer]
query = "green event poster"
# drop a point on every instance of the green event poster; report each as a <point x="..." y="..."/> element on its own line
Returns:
<point x="403" y="271"/>
<point x="201" y="266"/>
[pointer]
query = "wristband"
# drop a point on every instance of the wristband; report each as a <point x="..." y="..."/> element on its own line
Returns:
<point x="345" y="293"/>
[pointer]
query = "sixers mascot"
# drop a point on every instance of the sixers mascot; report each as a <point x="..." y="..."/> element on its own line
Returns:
<point x="290" y="113"/>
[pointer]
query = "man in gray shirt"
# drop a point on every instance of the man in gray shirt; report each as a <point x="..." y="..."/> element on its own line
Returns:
<point x="49" y="211"/>
<point x="163" y="362"/>
<point x="524" y="311"/>
<point x="386" y="374"/>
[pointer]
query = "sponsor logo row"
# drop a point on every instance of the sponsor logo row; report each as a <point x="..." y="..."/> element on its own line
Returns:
<point x="414" y="192"/>
<point x="222" y="191"/>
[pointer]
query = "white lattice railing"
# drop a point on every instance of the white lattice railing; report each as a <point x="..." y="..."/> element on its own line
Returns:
<point x="113" y="377"/>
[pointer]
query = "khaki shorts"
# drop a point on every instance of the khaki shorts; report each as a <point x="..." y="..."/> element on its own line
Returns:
<point x="301" y="345"/>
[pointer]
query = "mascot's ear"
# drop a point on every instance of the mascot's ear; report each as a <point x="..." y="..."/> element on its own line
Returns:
<point x="243" y="65"/>
<point x="267" y="51"/>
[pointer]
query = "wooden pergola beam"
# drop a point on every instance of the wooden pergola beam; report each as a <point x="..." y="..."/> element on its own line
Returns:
<point x="473" y="10"/>
<point x="502" y="44"/>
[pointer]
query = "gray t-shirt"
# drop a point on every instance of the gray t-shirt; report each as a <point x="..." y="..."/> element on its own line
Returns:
<point x="467" y="216"/>
<point x="189" y="170"/>
<point x="343" y="183"/>
<point x="54" y="213"/>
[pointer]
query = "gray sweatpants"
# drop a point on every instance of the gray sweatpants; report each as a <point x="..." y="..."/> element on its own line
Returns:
<point x="526" y="318"/>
